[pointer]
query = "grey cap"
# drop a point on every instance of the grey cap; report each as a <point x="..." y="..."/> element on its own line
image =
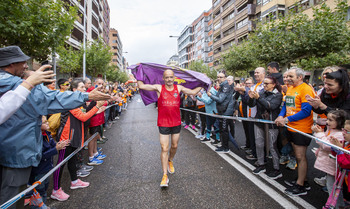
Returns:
<point x="11" y="54"/>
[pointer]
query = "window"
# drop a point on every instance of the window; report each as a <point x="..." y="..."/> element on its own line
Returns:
<point x="115" y="60"/>
<point x="217" y="26"/>
<point x="242" y="23"/>
<point x="114" y="47"/>
<point x="243" y="7"/>
<point x="114" y="41"/>
<point x="265" y="2"/>
<point x="115" y="54"/>
<point x="115" y="35"/>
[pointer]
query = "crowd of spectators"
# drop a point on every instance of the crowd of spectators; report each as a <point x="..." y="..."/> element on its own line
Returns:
<point x="51" y="121"/>
<point x="286" y="99"/>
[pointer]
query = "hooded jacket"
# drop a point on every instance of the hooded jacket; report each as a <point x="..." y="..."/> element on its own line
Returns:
<point x="21" y="139"/>
<point x="224" y="99"/>
<point x="210" y="105"/>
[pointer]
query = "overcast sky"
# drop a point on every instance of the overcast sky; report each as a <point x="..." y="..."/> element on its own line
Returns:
<point x="144" y="26"/>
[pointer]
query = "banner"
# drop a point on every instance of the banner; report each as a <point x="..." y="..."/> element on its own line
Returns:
<point x="151" y="73"/>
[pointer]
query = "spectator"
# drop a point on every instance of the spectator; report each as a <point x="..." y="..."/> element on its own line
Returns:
<point x="63" y="84"/>
<point x="225" y="106"/>
<point x="335" y="94"/>
<point x="50" y="148"/>
<point x="210" y="108"/>
<point x="72" y="120"/>
<point x="201" y="108"/>
<point x="274" y="70"/>
<point x="268" y="102"/>
<point x="12" y="100"/>
<point x="297" y="113"/>
<point x="17" y="158"/>
<point x="335" y="123"/>
<point x="190" y="117"/>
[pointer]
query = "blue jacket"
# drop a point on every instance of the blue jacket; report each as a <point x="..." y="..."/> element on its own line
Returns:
<point x="49" y="150"/>
<point x="210" y="105"/>
<point x="20" y="136"/>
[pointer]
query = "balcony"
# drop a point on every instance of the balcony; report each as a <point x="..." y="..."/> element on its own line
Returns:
<point x="228" y="24"/>
<point x="243" y="30"/>
<point x="79" y="25"/>
<point x="243" y="14"/>
<point x="228" y="38"/>
<point x="251" y="9"/>
<point x="229" y="10"/>
<point x="241" y="2"/>
<point x="74" y="43"/>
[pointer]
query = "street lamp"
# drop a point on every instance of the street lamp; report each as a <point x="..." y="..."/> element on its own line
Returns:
<point x="173" y="36"/>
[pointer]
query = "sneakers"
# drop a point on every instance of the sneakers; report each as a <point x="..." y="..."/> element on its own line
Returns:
<point x="82" y="173"/>
<point x="259" y="169"/>
<point x="186" y="126"/>
<point x="100" y="141"/>
<point x="275" y="174"/>
<point x="284" y="159"/>
<point x="59" y="195"/>
<point x="171" y="168"/>
<point x="99" y="149"/>
<point x="296" y="190"/>
<point x="248" y="151"/>
<point x="292" y="164"/>
<point x="222" y="150"/>
<point x="199" y="136"/>
<point x="292" y="183"/>
<point x="251" y="157"/>
<point x="205" y="140"/>
<point x="86" y="167"/>
<point x="100" y="156"/>
<point x="95" y="161"/>
<point x="79" y="184"/>
<point x="244" y="148"/>
<point x="320" y="181"/>
<point x="193" y="127"/>
<point x="215" y="142"/>
<point x="165" y="181"/>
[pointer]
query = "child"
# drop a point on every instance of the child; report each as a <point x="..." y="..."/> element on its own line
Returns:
<point x="50" y="148"/>
<point x="335" y="122"/>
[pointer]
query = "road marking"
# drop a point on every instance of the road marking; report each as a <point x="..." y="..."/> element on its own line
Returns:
<point x="263" y="186"/>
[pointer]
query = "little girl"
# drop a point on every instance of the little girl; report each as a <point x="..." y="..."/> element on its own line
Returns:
<point x="335" y="123"/>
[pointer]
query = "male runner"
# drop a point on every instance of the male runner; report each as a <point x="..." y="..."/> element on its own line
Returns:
<point x="169" y="119"/>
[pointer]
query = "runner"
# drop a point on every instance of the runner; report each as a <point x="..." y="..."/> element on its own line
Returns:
<point x="169" y="119"/>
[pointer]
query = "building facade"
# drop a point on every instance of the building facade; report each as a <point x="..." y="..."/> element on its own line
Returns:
<point x="173" y="60"/>
<point x="185" y="46"/>
<point x="97" y="21"/>
<point x="116" y="48"/>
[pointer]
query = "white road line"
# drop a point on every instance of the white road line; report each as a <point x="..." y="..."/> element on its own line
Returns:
<point x="267" y="189"/>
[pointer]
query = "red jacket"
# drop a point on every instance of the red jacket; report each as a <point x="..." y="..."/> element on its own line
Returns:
<point x="98" y="119"/>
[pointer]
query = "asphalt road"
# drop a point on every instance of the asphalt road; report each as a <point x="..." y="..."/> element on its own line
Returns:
<point x="131" y="173"/>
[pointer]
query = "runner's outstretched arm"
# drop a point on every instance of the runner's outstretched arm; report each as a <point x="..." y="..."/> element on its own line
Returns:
<point x="148" y="87"/>
<point x="189" y="91"/>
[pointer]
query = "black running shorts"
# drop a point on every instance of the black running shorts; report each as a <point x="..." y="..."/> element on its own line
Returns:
<point x="169" y="130"/>
<point x="298" y="139"/>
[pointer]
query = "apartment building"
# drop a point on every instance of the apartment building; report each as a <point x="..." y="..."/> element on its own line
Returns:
<point x="232" y="21"/>
<point x="116" y="48"/>
<point x="96" y="22"/>
<point x="202" y="41"/>
<point x="173" y="60"/>
<point x="185" y="46"/>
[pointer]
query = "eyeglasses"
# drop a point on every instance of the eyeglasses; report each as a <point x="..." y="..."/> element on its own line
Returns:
<point x="265" y="84"/>
<point x="66" y="84"/>
<point x="220" y="77"/>
<point x="345" y="131"/>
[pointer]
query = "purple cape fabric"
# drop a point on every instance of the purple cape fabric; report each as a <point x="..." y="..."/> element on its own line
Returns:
<point x="151" y="73"/>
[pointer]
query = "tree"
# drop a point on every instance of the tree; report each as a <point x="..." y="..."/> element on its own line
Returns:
<point x="37" y="26"/>
<point x="98" y="58"/>
<point x="312" y="43"/>
<point x="199" y="66"/>
<point x="116" y="75"/>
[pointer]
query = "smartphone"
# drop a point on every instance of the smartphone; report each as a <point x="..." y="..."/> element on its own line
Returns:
<point x="46" y="62"/>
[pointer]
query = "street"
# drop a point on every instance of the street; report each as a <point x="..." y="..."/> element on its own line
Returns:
<point x="131" y="173"/>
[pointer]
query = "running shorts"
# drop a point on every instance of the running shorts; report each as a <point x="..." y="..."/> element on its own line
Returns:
<point x="298" y="139"/>
<point x="169" y="130"/>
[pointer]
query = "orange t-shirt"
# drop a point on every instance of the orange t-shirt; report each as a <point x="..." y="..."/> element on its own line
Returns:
<point x="295" y="96"/>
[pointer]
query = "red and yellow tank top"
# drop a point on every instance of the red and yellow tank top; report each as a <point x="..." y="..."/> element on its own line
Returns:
<point x="169" y="108"/>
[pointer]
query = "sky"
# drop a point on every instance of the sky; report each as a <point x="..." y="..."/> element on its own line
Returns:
<point x="144" y="26"/>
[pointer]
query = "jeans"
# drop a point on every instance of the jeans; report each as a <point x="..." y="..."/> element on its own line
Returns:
<point x="211" y="121"/>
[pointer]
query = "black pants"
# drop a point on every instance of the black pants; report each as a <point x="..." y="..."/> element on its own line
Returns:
<point x="251" y="137"/>
<point x="190" y="117"/>
<point x="225" y="125"/>
<point x="203" y="119"/>
<point x="72" y="166"/>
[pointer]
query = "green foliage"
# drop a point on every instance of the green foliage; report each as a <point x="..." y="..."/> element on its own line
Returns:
<point x="113" y="74"/>
<point x="37" y="26"/>
<point x="199" y="66"/>
<point x="98" y="58"/>
<point x="312" y="43"/>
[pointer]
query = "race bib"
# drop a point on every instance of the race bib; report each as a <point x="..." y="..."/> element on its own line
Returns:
<point x="290" y="101"/>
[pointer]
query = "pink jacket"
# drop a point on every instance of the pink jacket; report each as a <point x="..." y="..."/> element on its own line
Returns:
<point x="323" y="161"/>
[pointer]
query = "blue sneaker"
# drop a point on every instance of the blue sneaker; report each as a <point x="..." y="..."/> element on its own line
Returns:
<point x="99" y="152"/>
<point x="99" y="149"/>
<point x="100" y="156"/>
<point x="95" y="161"/>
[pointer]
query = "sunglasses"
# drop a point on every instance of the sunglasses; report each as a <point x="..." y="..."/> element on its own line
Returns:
<point x="66" y="84"/>
<point x="345" y="131"/>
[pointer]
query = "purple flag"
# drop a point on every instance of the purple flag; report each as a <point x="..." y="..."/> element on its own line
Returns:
<point x="151" y="73"/>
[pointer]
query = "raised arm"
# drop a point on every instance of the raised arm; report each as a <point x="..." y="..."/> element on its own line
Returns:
<point x="149" y="87"/>
<point x="189" y="91"/>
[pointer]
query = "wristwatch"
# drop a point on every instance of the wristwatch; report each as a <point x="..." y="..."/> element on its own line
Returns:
<point x="286" y="120"/>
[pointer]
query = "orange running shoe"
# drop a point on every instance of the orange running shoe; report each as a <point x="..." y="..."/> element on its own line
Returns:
<point x="171" y="168"/>
<point x="165" y="181"/>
